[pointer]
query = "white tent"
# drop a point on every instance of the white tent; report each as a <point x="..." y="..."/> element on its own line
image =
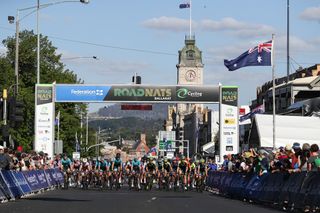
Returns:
<point x="289" y="129"/>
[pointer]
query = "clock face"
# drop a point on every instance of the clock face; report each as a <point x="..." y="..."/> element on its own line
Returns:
<point x="190" y="75"/>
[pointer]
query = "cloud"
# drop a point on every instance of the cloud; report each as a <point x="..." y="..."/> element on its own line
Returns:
<point x="311" y="14"/>
<point x="228" y="24"/>
<point x="237" y="28"/>
<point x="167" y="23"/>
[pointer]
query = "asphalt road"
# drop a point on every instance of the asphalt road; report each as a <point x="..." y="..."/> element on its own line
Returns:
<point x="92" y="201"/>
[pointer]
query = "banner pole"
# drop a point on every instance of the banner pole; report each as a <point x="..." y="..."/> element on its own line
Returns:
<point x="273" y="97"/>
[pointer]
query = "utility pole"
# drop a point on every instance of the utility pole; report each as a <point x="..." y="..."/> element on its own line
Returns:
<point x="16" y="62"/>
<point x="81" y="126"/>
<point x="288" y="28"/>
<point x="87" y="128"/>
<point x="97" y="142"/>
<point x="4" y="96"/>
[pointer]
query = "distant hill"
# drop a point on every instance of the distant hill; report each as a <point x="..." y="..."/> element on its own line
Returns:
<point x="159" y="111"/>
<point x="129" y="128"/>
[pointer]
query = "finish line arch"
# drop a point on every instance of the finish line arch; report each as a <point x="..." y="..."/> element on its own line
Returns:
<point x="49" y="94"/>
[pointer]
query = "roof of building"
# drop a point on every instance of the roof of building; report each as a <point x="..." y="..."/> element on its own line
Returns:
<point x="289" y="129"/>
<point x="300" y="81"/>
<point x="305" y="80"/>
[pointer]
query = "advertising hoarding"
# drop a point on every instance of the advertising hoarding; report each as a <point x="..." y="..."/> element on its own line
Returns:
<point x="136" y="93"/>
<point x="229" y="121"/>
<point x="44" y="119"/>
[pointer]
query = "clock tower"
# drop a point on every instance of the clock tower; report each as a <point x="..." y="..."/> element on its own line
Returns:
<point x="189" y="72"/>
<point x="190" y="66"/>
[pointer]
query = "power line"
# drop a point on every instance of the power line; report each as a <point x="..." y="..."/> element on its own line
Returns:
<point x="113" y="47"/>
<point x="143" y="50"/>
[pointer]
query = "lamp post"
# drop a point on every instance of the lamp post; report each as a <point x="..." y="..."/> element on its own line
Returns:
<point x="38" y="33"/>
<point x="11" y="21"/>
<point x="80" y="57"/>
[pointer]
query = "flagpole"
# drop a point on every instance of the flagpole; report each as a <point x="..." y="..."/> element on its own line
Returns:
<point x="190" y="18"/>
<point x="273" y="97"/>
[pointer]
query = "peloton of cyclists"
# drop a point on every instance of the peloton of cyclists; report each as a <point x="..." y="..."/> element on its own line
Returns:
<point x="163" y="171"/>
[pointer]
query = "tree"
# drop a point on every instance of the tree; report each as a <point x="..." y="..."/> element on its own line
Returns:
<point x="52" y="70"/>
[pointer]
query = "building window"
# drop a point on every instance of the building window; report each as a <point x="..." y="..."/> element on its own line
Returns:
<point x="190" y="55"/>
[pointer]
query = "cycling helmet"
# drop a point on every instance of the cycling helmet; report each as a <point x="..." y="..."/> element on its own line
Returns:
<point x="183" y="158"/>
<point x="135" y="159"/>
<point x="118" y="155"/>
<point x="202" y="160"/>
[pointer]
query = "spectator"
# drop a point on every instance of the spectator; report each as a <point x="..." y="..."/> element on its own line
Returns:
<point x="314" y="160"/>
<point x="305" y="157"/>
<point x="225" y="163"/>
<point x="5" y="160"/>
<point x="212" y="165"/>
<point x="296" y="157"/>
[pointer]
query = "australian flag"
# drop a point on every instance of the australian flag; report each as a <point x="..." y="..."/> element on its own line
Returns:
<point x="185" y="5"/>
<point x="257" y="56"/>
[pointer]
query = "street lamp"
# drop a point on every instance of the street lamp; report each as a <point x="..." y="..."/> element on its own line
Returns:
<point x="38" y="34"/>
<point x="11" y="20"/>
<point x="80" y="57"/>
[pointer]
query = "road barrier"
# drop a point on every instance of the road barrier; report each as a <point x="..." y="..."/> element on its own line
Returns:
<point x="295" y="190"/>
<point x="15" y="184"/>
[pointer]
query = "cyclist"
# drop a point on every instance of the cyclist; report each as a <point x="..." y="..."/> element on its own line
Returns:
<point x="151" y="166"/>
<point x="66" y="164"/>
<point x="202" y="170"/>
<point x="167" y="169"/>
<point x="117" y="166"/>
<point x="136" y="168"/>
<point x="183" y="168"/>
<point x="192" y="172"/>
<point x="152" y="170"/>
<point x="175" y="164"/>
<point x="160" y="168"/>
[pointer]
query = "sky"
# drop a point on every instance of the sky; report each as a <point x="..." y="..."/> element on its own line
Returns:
<point x="144" y="37"/>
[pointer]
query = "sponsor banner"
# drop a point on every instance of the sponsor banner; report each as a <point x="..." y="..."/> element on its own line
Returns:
<point x="2" y="195"/>
<point x="49" y="177"/>
<point x="4" y="190"/>
<point x="229" y="126"/>
<point x="42" y="179"/>
<point x="11" y="183"/>
<point x="82" y="93"/>
<point x="58" y="176"/>
<point x="22" y="182"/>
<point x="229" y="96"/>
<point x="135" y="93"/>
<point x="44" y="119"/>
<point x="32" y="180"/>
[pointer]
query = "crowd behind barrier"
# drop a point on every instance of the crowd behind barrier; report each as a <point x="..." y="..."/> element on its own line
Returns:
<point x="23" y="174"/>
<point x="284" y="190"/>
<point x="288" y="177"/>
<point x="15" y="184"/>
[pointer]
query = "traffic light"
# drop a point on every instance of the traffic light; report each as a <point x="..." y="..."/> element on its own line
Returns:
<point x="136" y="79"/>
<point x="180" y="133"/>
<point x="15" y="112"/>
